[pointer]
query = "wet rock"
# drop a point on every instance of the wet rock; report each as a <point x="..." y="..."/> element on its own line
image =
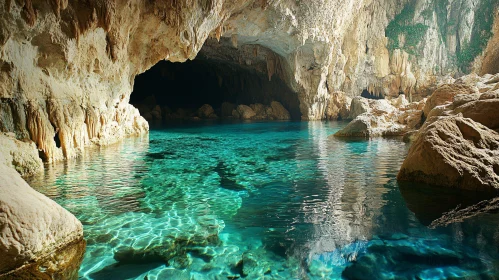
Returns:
<point x="38" y="237"/>
<point x="455" y="152"/>
<point x="409" y="258"/>
<point x="255" y="264"/>
<point x="459" y="215"/>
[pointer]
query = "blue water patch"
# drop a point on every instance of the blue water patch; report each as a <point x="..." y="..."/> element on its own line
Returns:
<point x="264" y="200"/>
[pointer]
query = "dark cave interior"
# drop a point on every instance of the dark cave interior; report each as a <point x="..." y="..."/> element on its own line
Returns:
<point x="191" y="84"/>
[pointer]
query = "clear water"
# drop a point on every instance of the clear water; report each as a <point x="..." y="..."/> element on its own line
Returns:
<point x="277" y="200"/>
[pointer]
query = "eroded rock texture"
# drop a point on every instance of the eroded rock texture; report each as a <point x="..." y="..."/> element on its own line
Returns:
<point x="455" y="152"/>
<point x="67" y="67"/>
<point x="38" y="238"/>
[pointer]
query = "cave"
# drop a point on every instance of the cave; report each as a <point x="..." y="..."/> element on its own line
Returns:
<point x="181" y="88"/>
<point x="366" y="94"/>
<point x="156" y="139"/>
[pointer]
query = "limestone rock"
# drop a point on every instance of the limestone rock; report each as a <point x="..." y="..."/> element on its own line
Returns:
<point x="338" y="106"/>
<point x="81" y="57"/>
<point x="380" y="119"/>
<point x="33" y="228"/>
<point x="23" y="156"/>
<point x="358" y="106"/>
<point x="445" y="94"/>
<point x="455" y="152"/>
<point x="244" y="112"/>
<point x="206" y="112"/>
<point x="278" y="111"/>
<point x="484" y="111"/>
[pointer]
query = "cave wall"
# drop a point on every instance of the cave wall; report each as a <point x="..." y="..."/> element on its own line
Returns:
<point x="67" y="67"/>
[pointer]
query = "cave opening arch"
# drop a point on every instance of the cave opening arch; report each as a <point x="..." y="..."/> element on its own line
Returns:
<point x="223" y="76"/>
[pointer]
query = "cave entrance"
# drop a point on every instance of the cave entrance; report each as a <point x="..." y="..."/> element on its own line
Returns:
<point x="366" y="94"/>
<point x="223" y="77"/>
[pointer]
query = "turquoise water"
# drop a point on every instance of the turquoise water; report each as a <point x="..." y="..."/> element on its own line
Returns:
<point x="268" y="200"/>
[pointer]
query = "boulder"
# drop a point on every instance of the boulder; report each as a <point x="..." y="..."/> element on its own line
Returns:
<point x="245" y="112"/>
<point x="358" y="106"/>
<point x="379" y="120"/>
<point x="260" y="111"/>
<point x="445" y="95"/>
<point x="279" y="112"/>
<point x="38" y="238"/>
<point x="454" y="152"/>
<point x="206" y="112"/>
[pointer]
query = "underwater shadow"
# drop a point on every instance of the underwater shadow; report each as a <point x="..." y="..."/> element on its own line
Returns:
<point x="438" y="206"/>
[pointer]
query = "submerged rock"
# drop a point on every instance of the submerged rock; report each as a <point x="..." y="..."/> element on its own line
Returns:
<point x="455" y="152"/>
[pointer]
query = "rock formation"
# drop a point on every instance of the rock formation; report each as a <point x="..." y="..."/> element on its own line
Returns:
<point x="455" y="152"/>
<point x="23" y="156"/>
<point x="81" y="58"/>
<point x="382" y="117"/>
<point x="38" y="238"/>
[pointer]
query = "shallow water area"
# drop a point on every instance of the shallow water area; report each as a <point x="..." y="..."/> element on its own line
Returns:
<point x="273" y="200"/>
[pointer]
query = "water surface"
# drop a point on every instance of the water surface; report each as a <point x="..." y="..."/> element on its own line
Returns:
<point x="273" y="200"/>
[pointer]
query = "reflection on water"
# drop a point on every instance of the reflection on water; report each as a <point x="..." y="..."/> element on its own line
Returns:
<point x="279" y="200"/>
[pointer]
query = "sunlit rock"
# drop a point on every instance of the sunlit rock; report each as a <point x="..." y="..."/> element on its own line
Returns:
<point x="23" y="156"/>
<point x="454" y="152"/>
<point x="38" y="238"/>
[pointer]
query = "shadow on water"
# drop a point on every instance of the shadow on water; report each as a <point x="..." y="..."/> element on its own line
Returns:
<point x="429" y="203"/>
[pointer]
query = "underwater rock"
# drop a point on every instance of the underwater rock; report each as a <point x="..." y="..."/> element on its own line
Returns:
<point x="454" y="152"/>
<point x="255" y="264"/>
<point x="410" y="258"/>
<point x="459" y="215"/>
<point x="38" y="238"/>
